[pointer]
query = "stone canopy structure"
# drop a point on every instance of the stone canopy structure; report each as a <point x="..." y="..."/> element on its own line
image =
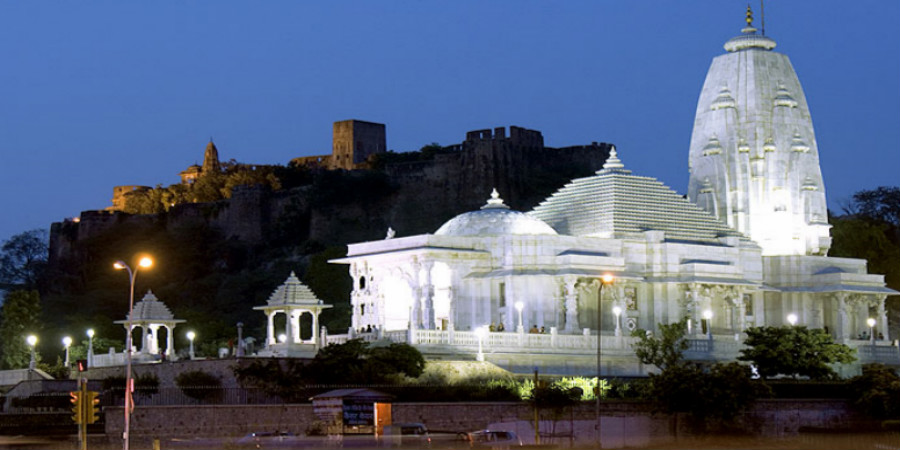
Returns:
<point x="295" y="300"/>
<point x="150" y="314"/>
<point x="746" y="249"/>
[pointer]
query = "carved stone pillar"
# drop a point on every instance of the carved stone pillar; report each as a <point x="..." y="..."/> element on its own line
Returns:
<point x="843" y="331"/>
<point x="153" y="340"/>
<point x="451" y="315"/>
<point x="428" y="294"/>
<point x="170" y="340"/>
<point x="738" y="309"/>
<point x="571" y="304"/>
<point x="882" y="318"/>
<point x="270" y="328"/>
<point x="315" y="326"/>
<point x="144" y="348"/>
<point x="689" y="307"/>
<point x="288" y="326"/>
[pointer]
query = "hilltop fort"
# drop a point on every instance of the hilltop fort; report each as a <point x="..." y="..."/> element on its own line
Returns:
<point x="355" y="193"/>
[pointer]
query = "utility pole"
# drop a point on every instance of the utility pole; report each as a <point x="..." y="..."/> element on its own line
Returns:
<point x="537" y="417"/>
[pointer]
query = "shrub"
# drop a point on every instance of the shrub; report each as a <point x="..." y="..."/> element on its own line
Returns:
<point x="877" y="391"/>
<point x="199" y="385"/>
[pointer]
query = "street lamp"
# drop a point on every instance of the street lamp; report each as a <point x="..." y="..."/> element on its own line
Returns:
<point x="607" y="278"/>
<point x="239" y="351"/>
<point x="792" y="319"/>
<point x="871" y="323"/>
<point x="191" y="335"/>
<point x="617" y="311"/>
<point x="144" y="262"/>
<point x="519" y="307"/>
<point x="67" y="342"/>
<point x="32" y="341"/>
<point x="707" y="316"/>
<point x="480" y="332"/>
<point x="90" y="352"/>
<point x="282" y="338"/>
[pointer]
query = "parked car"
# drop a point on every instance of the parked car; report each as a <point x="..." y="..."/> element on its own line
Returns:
<point x="406" y="435"/>
<point x="494" y="439"/>
<point x="266" y="439"/>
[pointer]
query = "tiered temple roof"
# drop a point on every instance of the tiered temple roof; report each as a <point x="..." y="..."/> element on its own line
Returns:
<point x="616" y="204"/>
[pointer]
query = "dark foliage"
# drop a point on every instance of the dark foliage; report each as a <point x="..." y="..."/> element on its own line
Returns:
<point x="281" y="378"/>
<point x="713" y="396"/>
<point x="19" y="317"/>
<point x="794" y="351"/>
<point x="877" y="391"/>
<point x="23" y="260"/>
<point x="665" y="350"/>
<point x="199" y="385"/>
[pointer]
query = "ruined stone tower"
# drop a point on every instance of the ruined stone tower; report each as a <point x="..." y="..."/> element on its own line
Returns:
<point x="354" y="141"/>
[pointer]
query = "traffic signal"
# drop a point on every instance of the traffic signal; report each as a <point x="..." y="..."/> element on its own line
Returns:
<point x="77" y="409"/>
<point x="92" y="404"/>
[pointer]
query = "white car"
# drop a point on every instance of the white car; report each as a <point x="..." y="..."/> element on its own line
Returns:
<point x="494" y="439"/>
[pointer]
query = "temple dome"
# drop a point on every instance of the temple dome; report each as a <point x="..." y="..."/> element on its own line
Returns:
<point x="494" y="219"/>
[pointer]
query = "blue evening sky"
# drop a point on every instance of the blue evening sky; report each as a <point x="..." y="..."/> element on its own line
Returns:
<point x="95" y="94"/>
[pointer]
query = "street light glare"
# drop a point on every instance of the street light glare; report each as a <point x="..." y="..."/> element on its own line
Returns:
<point x="145" y="262"/>
<point x="792" y="319"/>
<point x="520" y="306"/>
<point x="90" y="332"/>
<point x="67" y="341"/>
<point x="871" y="322"/>
<point x="707" y="314"/>
<point x="607" y="278"/>
<point x="31" y="339"/>
<point x="617" y="310"/>
<point x="191" y="335"/>
<point x="119" y="265"/>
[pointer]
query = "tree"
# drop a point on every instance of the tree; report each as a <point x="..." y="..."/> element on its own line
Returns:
<point x="23" y="259"/>
<point x="19" y="318"/>
<point x="355" y="362"/>
<point x="713" y="395"/>
<point x="881" y="204"/>
<point x="664" y="351"/>
<point x="398" y="358"/>
<point x="877" y="391"/>
<point x="283" y="379"/>
<point x="199" y="385"/>
<point x="795" y="351"/>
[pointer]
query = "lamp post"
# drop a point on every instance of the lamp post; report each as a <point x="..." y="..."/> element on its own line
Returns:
<point x="67" y="342"/>
<point x="871" y="323"/>
<point x="617" y="311"/>
<point x="90" y="352"/>
<point x="607" y="278"/>
<point x="519" y="307"/>
<point x="707" y="316"/>
<point x="144" y="262"/>
<point x="191" y="335"/>
<point x="282" y="338"/>
<point x="32" y="341"/>
<point x="792" y="319"/>
<point x="239" y="350"/>
<point x="480" y="332"/>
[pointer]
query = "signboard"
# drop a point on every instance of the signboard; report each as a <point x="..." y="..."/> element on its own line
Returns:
<point x="359" y="412"/>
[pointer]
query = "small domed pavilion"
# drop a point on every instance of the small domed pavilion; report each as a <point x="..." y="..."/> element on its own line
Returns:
<point x="294" y="299"/>
<point x="150" y="314"/>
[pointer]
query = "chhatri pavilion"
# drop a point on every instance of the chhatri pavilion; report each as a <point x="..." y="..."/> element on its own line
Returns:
<point x="746" y="248"/>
